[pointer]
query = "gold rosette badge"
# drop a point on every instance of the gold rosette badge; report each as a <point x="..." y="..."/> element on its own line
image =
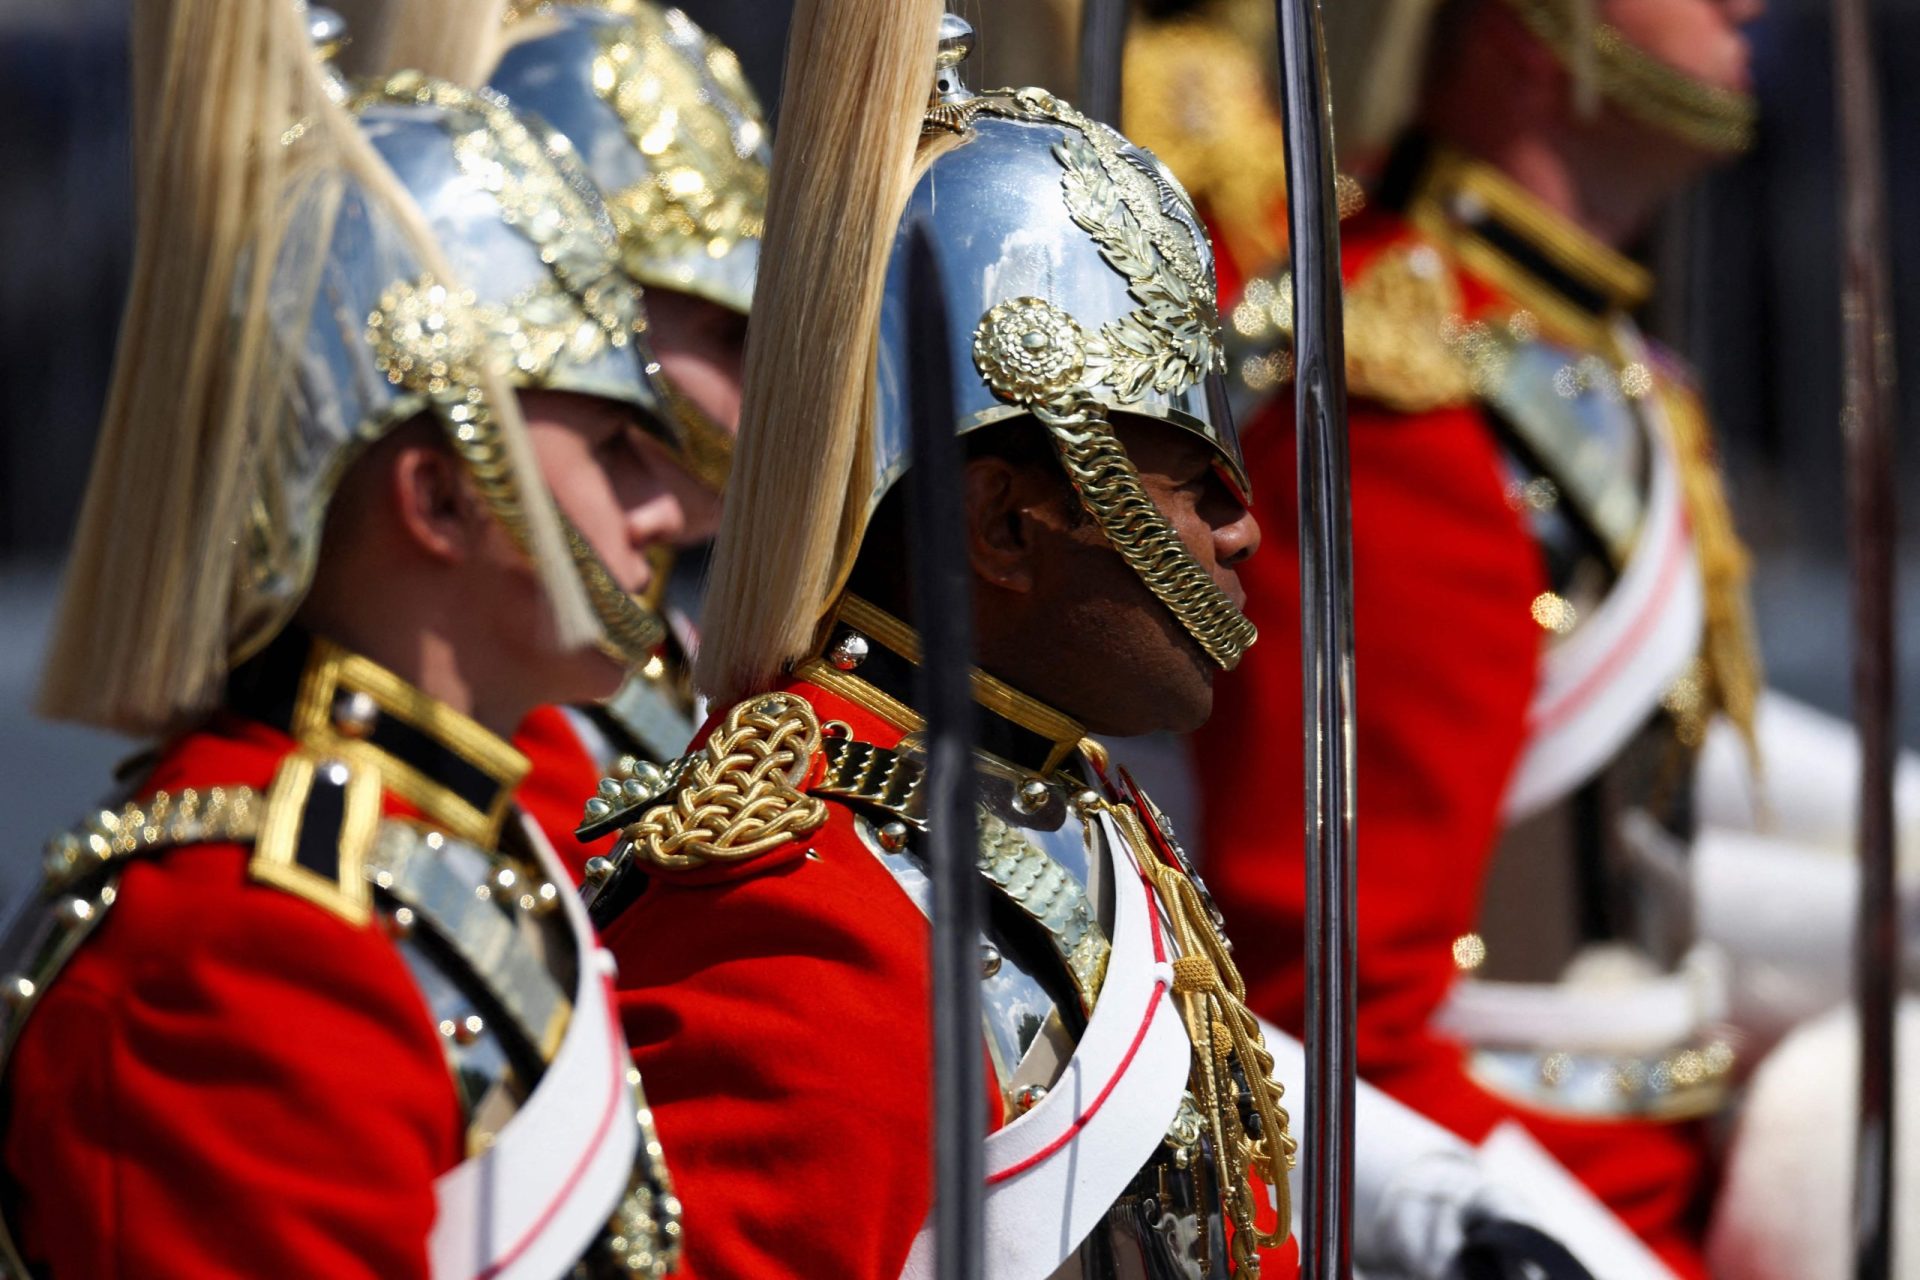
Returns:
<point x="1030" y="351"/>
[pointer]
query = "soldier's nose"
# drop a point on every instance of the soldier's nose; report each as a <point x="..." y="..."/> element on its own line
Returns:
<point x="1239" y="538"/>
<point x="661" y="519"/>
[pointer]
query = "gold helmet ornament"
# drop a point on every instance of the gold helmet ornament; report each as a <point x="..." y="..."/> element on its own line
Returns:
<point x="660" y="115"/>
<point x="314" y="267"/>
<point x="1079" y="285"/>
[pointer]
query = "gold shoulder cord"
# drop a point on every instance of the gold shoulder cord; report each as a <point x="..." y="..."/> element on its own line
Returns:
<point x="1232" y="1069"/>
<point x="741" y="795"/>
<point x="1731" y="656"/>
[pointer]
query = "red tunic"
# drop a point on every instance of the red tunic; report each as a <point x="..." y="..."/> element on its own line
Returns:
<point x="778" y="1010"/>
<point x="563" y="777"/>
<point x="227" y="1080"/>
<point x="1445" y="663"/>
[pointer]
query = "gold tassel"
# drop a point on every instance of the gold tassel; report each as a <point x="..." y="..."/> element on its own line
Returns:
<point x="1732" y="675"/>
<point x="1232" y="1069"/>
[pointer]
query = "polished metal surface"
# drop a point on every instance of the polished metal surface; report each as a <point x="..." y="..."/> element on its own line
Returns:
<point x="1868" y="415"/>
<point x="944" y="695"/>
<point x="662" y="119"/>
<point x="543" y="300"/>
<point x="1001" y="229"/>
<point x="1326" y="624"/>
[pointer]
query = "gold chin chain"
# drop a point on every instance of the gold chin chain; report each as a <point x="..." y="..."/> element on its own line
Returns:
<point x="1232" y="1070"/>
<point x="1657" y="95"/>
<point x="631" y="629"/>
<point x="1109" y="488"/>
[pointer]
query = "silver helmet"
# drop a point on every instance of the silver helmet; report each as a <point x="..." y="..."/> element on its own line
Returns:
<point x="663" y="119"/>
<point x="378" y="338"/>
<point x="1079" y="284"/>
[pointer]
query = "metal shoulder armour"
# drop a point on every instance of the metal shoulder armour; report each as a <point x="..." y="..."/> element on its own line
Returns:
<point x="1065" y="911"/>
<point x="506" y="966"/>
<point x="1574" y="419"/>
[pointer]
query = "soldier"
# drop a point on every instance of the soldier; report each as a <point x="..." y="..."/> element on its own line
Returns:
<point x="309" y="997"/>
<point x="767" y="900"/>
<point x="666" y="125"/>
<point x="1549" y="598"/>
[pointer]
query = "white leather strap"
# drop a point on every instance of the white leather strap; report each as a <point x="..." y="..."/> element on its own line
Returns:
<point x="1055" y="1171"/>
<point x="1599" y="684"/>
<point x="531" y="1204"/>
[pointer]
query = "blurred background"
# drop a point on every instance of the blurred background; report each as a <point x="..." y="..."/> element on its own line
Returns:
<point x="1748" y="265"/>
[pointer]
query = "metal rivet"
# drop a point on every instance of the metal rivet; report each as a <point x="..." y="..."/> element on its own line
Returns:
<point x="469" y="1029"/>
<point x="484" y="892"/>
<point x="1031" y="796"/>
<point x="598" y="869"/>
<point x="989" y="959"/>
<point x="59" y="864"/>
<point x="504" y="879"/>
<point x="598" y="808"/>
<point x="17" y="990"/>
<point x="435" y="840"/>
<point x="893" y="836"/>
<point x="400" y="923"/>
<point x="335" y="772"/>
<point x="610" y="788"/>
<point x="1028" y="1097"/>
<point x="355" y="713"/>
<point x="850" y="652"/>
<point x="75" y="911"/>
<point x="1085" y="802"/>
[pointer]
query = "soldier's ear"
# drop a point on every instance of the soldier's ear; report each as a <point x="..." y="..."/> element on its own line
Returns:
<point x="433" y="501"/>
<point x="998" y="499"/>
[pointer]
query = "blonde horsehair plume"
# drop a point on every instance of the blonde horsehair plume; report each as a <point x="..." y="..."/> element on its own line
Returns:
<point x="859" y="74"/>
<point x="455" y="40"/>
<point x="232" y="125"/>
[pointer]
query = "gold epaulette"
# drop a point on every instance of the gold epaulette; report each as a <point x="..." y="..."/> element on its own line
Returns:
<point x="739" y="796"/>
<point x="1402" y="319"/>
<point x="760" y="781"/>
<point x="1407" y="345"/>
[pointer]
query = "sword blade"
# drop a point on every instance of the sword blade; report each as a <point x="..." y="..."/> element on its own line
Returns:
<point x="943" y="608"/>
<point x="1103" y="45"/>
<point x="1326" y="633"/>
<point x="1867" y="416"/>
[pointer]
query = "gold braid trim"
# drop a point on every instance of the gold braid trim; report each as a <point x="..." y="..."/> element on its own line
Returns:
<point x="740" y="797"/>
<point x="1109" y="488"/>
<point x="1730" y="671"/>
<point x="1232" y="1073"/>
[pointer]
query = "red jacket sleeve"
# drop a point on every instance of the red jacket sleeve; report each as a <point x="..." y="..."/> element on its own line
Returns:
<point x="228" y="1081"/>
<point x="1445" y="656"/>
<point x="779" y="1022"/>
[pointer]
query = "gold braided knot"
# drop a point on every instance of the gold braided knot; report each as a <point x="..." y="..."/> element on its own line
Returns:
<point x="740" y="797"/>
<point x="1109" y="488"/>
<point x="1194" y="973"/>
<point x="1232" y="1073"/>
